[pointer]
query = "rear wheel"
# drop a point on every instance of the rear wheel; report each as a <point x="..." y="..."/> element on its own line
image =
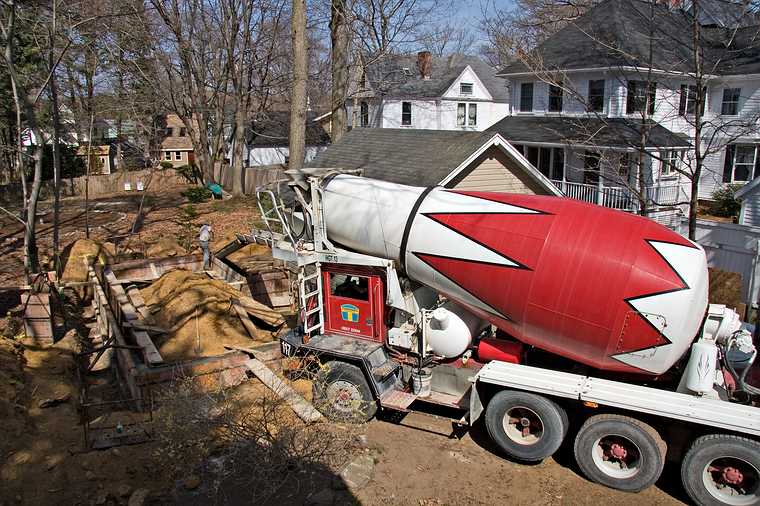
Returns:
<point x="526" y="426"/>
<point x="341" y="393"/>
<point x="620" y="452"/>
<point x="721" y="469"/>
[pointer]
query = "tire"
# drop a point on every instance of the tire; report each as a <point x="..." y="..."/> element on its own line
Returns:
<point x="342" y="394"/>
<point x="619" y="452"/>
<point x="722" y="469"/>
<point x="525" y="426"/>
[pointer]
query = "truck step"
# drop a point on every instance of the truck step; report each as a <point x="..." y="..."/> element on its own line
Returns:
<point x="396" y="399"/>
<point x="382" y="371"/>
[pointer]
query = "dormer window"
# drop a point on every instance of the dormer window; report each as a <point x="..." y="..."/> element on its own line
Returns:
<point x="465" y="88"/>
<point x="407" y="71"/>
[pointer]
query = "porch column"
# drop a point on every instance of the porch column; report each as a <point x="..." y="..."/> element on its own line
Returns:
<point x="599" y="187"/>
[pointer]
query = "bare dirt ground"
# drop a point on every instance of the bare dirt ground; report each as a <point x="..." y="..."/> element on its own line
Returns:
<point x="42" y="463"/>
<point x="418" y="464"/>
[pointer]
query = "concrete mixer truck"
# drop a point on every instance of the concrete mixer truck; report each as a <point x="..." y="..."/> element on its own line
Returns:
<point x="546" y="319"/>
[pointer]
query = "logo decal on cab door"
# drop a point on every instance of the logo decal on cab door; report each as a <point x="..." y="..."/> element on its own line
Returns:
<point x="349" y="313"/>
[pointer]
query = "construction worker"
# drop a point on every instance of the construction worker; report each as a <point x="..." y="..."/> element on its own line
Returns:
<point x="206" y="234"/>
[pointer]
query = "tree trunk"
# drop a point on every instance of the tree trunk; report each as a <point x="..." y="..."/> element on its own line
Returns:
<point x="31" y="259"/>
<point x="339" y="37"/>
<point x="698" y="113"/>
<point x="56" y="169"/>
<point x="238" y="169"/>
<point x="297" y="149"/>
<point x="56" y="144"/>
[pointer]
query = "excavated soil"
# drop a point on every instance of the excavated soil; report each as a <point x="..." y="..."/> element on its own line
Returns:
<point x="84" y="253"/>
<point x="197" y="313"/>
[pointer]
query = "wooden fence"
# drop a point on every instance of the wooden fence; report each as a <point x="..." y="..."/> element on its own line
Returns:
<point x="734" y="248"/>
<point x="253" y="176"/>
<point x="100" y="185"/>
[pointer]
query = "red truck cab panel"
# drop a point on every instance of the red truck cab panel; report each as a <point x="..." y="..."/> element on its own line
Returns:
<point x="354" y="302"/>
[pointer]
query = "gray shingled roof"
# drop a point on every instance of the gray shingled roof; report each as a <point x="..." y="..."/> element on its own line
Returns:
<point x="387" y="76"/>
<point x="404" y="156"/>
<point x="616" y="33"/>
<point x="602" y="132"/>
<point x="272" y="129"/>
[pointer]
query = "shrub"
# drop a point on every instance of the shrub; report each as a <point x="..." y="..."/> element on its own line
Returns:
<point x="197" y="194"/>
<point x="190" y="173"/>
<point x="725" y="202"/>
<point x="166" y="165"/>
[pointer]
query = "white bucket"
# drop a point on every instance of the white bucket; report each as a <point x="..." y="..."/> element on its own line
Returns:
<point x="421" y="382"/>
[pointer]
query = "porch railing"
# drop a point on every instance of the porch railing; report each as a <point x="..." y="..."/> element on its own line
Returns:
<point x="620" y="197"/>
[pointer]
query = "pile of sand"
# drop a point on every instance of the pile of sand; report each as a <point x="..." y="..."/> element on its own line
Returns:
<point x="198" y="314"/>
<point x="246" y="252"/>
<point x="83" y="253"/>
<point x="165" y="247"/>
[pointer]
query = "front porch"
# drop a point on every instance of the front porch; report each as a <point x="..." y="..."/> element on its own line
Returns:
<point x="622" y="197"/>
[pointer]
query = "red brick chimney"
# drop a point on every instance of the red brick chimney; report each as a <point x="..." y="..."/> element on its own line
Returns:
<point x="424" y="63"/>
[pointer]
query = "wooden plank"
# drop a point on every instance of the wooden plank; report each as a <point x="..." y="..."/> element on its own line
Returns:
<point x="259" y="354"/>
<point x="259" y="310"/>
<point x="150" y="353"/>
<point x="142" y="326"/>
<point x="253" y="331"/>
<point x="300" y="406"/>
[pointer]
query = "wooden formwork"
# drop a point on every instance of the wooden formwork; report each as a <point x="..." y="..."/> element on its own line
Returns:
<point x="120" y="314"/>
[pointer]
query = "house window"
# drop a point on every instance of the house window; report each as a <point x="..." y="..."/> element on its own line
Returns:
<point x="641" y="97"/>
<point x="624" y="167"/>
<point x="406" y="113"/>
<point x="178" y="155"/>
<point x="688" y="101"/>
<point x="730" y="105"/>
<point x="549" y="161"/>
<point x="555" y="98"/>
<point x="167" y="155"/>
<point x="465" y="88"/>
<point x="472" y="115"/>
<point x="596" y="95"/>
<point x="364" y="114"/>
<point x="183" y="132"/>
<point x="671" y="162"/>
<point x="741" y="163"/>
<point x="467" y="114"/>
<point x="526" y="97"/>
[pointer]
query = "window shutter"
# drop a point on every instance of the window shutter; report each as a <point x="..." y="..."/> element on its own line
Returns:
<point x="728" y="164"/>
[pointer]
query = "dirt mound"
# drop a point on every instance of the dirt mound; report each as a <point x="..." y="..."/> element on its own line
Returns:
<point x="83" y="253"/>
<point x="198" y="314"/>
<point x="246" y="252"/>
<point x="13" y="417"/>
<point x="165" y="247"/>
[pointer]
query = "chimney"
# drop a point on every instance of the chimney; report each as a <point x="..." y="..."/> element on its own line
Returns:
<point x="424" y="63"/>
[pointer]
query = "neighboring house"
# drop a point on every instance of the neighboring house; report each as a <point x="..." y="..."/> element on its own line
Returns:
<point x="102" y="158"/>
<point x="749" y="195"/>
<point x="592" y="71"/>
<point x="267" y="139"/>
<point x="463" y="160"/>
<point x="453" y="92"/>
<point x="603" y="169"/>
<point x="176" y="147"/>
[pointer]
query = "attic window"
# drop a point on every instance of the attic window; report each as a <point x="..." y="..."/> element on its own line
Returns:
<point x="407" y="71"/>
<point x="465" y="88"/>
